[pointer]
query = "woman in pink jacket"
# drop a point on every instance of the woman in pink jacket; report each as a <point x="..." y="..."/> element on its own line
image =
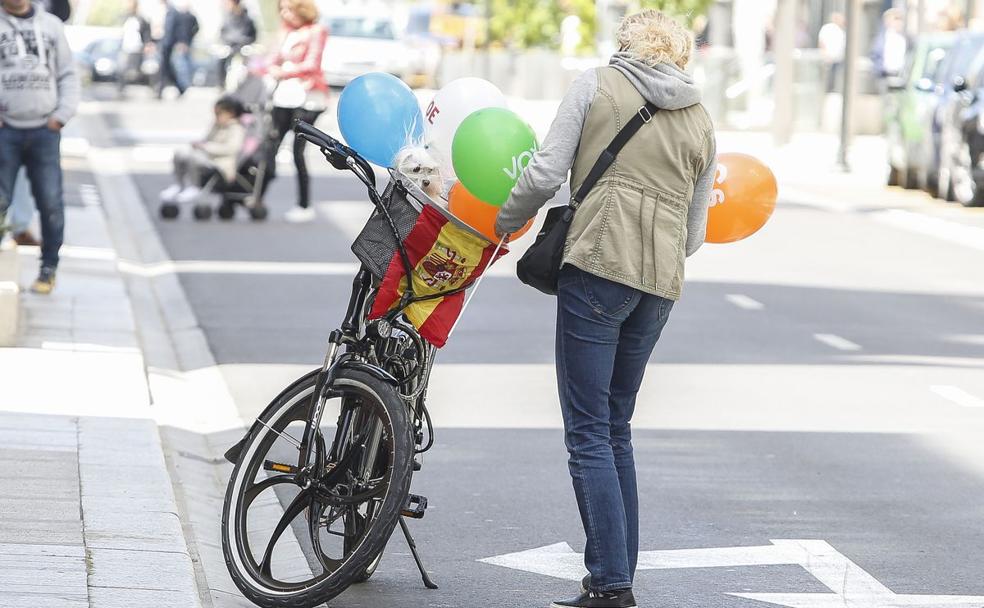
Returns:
<point x="301" y="91"/>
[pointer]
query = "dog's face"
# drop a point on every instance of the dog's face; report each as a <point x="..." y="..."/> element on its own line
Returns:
<point x="420" y="166"/>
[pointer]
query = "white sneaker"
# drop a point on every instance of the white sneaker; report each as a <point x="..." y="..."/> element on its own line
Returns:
<point x="188" y="195"/>
<point x="299" y="215"/>
<point x="170" y="193"/>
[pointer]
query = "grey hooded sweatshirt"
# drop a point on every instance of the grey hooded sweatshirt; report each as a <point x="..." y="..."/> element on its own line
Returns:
<point x="37" y="81"/>
<point x="668" y="87"/>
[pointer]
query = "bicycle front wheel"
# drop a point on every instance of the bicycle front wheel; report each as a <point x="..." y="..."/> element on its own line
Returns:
<point x="341" y="520"/>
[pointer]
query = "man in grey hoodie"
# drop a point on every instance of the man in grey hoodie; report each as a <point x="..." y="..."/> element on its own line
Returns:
<point x="39" y="93"/>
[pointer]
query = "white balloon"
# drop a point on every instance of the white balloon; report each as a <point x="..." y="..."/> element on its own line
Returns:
<point x="450" y="107"/>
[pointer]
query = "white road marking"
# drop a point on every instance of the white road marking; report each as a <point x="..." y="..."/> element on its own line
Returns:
<point x="952" y="232"/>
<point x="348" y="216"/>
<point x="835" y="341"/>
<point x="920" y="360"/>
<point x="957" y="395"/>
<point x="744" y="302"/>
<point x="74" y="146"/>
<point x="973" y="339"/>
<point x="346" y="269"/>
<point x="849" y="583"/>
<point x="152" y="154"/>
<point x="90" y="195"/>
<point x="239" y="267"/>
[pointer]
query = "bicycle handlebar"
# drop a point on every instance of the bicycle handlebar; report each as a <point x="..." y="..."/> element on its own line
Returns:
<point x="338" y="154"/>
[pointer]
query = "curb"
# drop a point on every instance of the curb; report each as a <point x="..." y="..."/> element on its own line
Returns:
<point x="195" y="411"/>
<point x="9" y="294"/>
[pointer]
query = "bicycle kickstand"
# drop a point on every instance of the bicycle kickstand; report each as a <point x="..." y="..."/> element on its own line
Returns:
<point x="416" y="557"/>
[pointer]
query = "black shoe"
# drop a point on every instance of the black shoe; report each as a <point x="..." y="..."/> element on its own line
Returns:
<point x="600" y="599"/>
<point x="585" y="583"/>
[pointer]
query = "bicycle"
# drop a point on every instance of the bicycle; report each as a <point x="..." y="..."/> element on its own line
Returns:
<point x="344" y="497"/>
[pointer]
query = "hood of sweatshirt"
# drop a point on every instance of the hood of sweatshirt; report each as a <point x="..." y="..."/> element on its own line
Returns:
<point x="665" y="85"/>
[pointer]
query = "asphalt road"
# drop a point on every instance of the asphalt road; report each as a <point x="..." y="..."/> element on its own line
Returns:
<point x="823" y="380"/>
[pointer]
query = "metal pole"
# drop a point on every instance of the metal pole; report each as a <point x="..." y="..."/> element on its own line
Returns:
<point x="783" y="50"/>
<point x="853" y="18"/>
<point x="488" y="40"/>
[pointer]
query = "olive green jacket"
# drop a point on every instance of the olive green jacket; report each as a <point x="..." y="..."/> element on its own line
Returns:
<point x="649" y="210"/>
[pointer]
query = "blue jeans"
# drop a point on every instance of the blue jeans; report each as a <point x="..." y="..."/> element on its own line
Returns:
<point x="606" y="333"/>
<point x="38" y="151"/>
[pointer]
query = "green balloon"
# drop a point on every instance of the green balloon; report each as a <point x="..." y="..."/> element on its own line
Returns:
<point x="490" y="150"/>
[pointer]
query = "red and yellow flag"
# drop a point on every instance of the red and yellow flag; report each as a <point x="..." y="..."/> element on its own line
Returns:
<point x="444" y="257"/>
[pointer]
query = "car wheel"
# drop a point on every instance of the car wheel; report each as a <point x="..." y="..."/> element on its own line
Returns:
<point x="911" y="179"/>
<point x="963" y="184"/>
<point x="932" y="185"/>
<point x="169" y="211"/>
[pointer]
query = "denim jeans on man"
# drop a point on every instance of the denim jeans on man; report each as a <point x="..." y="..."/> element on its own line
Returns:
<point x="606" y="332"/>
<point x="37" y="150"/>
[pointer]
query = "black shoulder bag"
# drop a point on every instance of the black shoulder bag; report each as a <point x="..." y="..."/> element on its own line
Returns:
<point x="540" y="265"/>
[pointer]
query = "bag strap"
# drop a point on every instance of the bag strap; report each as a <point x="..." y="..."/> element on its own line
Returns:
<point x="607" y="158"/>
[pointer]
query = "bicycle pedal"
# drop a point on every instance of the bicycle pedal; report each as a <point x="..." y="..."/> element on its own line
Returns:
<point x="415" y="507"/>
<point x="269" y="465"/>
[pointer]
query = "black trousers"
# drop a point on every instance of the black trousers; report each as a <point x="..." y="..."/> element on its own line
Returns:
<point x="283" y="119"/>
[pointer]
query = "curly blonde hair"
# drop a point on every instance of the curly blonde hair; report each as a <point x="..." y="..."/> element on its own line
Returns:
<point x="653" y="37"/>
<point x="306" y="10"/>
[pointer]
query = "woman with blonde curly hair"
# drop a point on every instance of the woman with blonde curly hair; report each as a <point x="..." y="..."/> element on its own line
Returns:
<point x="622" y="268"/>
<point x="301" y="90"/>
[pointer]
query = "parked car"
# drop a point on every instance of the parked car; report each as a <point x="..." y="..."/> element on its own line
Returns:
<point x="967" y="171"/>
<point x="100" y="62"/>
<point x="359" y="42"/>
<point x="910" y="106"/>
<point x="965" y="53"/>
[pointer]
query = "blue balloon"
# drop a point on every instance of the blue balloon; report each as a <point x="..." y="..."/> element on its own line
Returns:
<point x="379" y="116"/>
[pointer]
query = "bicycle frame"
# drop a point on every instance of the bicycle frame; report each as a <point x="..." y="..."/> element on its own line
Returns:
<point x="353" y="331"/>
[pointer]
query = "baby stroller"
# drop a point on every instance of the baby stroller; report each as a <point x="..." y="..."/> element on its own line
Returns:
<point x="247" y="188"/>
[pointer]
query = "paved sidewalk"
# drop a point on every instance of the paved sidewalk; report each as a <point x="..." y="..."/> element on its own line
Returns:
<point x="87" y="511"/>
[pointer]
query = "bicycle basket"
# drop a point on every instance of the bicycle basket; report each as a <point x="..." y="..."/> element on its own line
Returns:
<point x="376" y="244"/>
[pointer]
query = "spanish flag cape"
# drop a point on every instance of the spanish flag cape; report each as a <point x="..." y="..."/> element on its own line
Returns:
<point x="443" y="257"/>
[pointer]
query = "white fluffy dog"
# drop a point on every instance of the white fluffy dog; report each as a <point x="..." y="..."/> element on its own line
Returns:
<point x="419" y="165"/>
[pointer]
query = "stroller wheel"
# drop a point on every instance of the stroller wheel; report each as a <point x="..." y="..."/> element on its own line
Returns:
<point x="202" y="211"/>
<point x="258" y="213"/>
<point x="227" y="210"/>
<point x="169" y="211"/>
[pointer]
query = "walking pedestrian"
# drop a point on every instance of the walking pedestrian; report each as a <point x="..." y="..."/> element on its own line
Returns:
<point x="180" y="29"/>
<point x="622" y="270"/>
<point x="238" y="30"/>
<point x="888" y="52"/>
<point x="21" y="210"/>
<point x="59" y="8"/>
<point x="301" y="91"/>
<point x="33" y="49"/>
<point x="133" y="45"/>
<point x="832" y="41"/>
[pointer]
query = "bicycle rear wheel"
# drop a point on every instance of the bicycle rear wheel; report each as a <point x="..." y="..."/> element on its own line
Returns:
<point x="342" y="520"/>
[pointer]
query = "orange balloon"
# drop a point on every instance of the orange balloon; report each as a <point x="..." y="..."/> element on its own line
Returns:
<point x="477" y="214"/>
<point x="745" y="191"/>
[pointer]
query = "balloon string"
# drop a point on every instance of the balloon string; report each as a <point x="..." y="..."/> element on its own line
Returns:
<point x="474" y="288"/>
